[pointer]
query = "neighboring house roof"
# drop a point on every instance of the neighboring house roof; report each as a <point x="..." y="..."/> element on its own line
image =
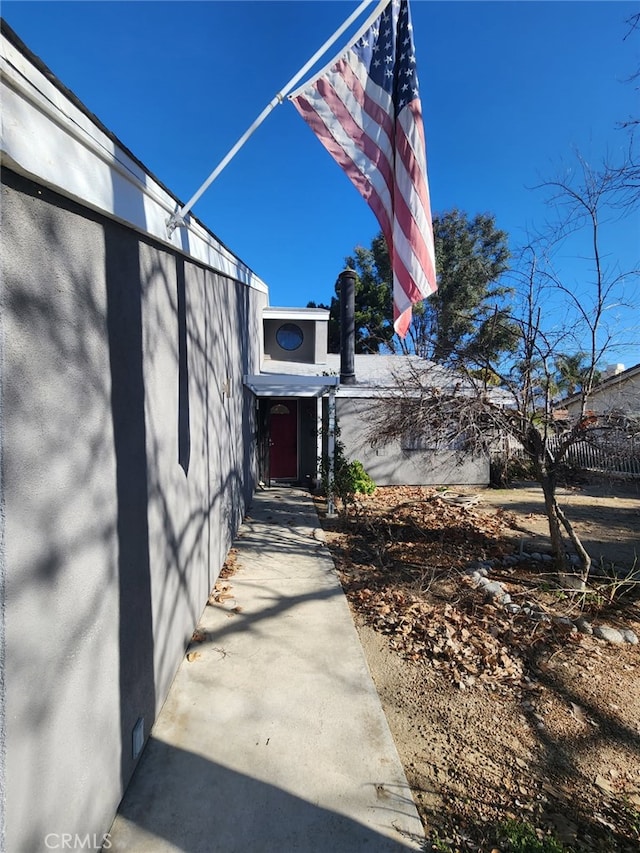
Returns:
<point x="620" y="391"/>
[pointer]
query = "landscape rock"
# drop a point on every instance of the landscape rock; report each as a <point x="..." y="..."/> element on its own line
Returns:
<point x="611" y="635"/>
<point x="540" y="617"/>
<point x="569" y="581"/>
<point x="583" y="626"/>
<point x="564" y="622"/>
<point x="476" y="565"/>
<point x="629" y="636"/>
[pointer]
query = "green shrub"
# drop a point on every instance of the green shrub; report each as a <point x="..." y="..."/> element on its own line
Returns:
<point x="349" y="478"/>
<point x="359" y="480"/>
<point x="521" y="837"/>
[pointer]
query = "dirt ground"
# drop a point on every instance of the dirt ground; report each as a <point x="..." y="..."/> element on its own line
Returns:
<point x="606" y="514"/>
<point x="497" y="717"/>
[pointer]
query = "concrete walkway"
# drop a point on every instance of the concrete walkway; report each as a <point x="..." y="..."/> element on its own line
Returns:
<point x="273" y="739"/>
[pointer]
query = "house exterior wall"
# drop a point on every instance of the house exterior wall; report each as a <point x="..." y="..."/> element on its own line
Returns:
<point x="128" y="459"/>
<point x="127" y="443"/>
<point x="394" y="465"/>
<point x="620" y="393"/>
<point x="321" y="342"/>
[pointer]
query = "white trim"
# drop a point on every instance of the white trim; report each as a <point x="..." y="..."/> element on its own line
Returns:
<point x="285" y="385"/>
<point x="295" y="314"/>
<point x="47" y="137"/>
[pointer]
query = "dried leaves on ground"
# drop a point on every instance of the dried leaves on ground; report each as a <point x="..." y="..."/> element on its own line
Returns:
<point x="497" y="716"/>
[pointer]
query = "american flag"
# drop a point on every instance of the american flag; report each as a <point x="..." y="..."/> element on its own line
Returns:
<point x="365" y="109"/>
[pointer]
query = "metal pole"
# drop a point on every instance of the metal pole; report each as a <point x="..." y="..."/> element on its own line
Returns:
<point x="177" y="218"/>
<point x="331" y="453"/>
<point x="347" y="283"/>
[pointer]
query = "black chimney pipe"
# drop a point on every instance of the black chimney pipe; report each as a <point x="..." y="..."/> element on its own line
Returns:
<point x="347" y="284"/>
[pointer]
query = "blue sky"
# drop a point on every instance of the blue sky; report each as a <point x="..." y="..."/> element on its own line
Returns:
<point x="509" y="91"/>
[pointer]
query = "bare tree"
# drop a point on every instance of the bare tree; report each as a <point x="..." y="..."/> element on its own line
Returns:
<point x="464" y="409"/>
<point x="633" y="24"/>
<point x="629" y="175"/>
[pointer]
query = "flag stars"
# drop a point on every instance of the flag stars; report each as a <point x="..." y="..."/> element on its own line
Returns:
<point x="387" y="50"/>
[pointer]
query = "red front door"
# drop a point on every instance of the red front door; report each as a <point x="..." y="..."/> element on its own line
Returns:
<point x="283" y="456"/>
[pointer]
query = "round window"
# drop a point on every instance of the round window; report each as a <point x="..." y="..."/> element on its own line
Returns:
<point x="289" y="336"/>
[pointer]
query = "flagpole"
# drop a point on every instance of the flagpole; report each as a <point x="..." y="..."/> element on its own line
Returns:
<point x="177" y="218"/>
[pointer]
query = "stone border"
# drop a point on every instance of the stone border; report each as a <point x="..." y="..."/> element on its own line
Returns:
<point x="478" y="572"/>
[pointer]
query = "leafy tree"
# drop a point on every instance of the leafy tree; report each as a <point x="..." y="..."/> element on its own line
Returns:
<point x="465" y="319"/>
<point x="373" y="308"/>
<point x="572" y="373"/>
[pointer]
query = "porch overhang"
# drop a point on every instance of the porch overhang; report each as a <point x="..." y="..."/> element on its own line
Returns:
<point x="286" y="385"/>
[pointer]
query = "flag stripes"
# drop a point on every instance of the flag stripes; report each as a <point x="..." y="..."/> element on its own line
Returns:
<point x="365" y="109"/>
